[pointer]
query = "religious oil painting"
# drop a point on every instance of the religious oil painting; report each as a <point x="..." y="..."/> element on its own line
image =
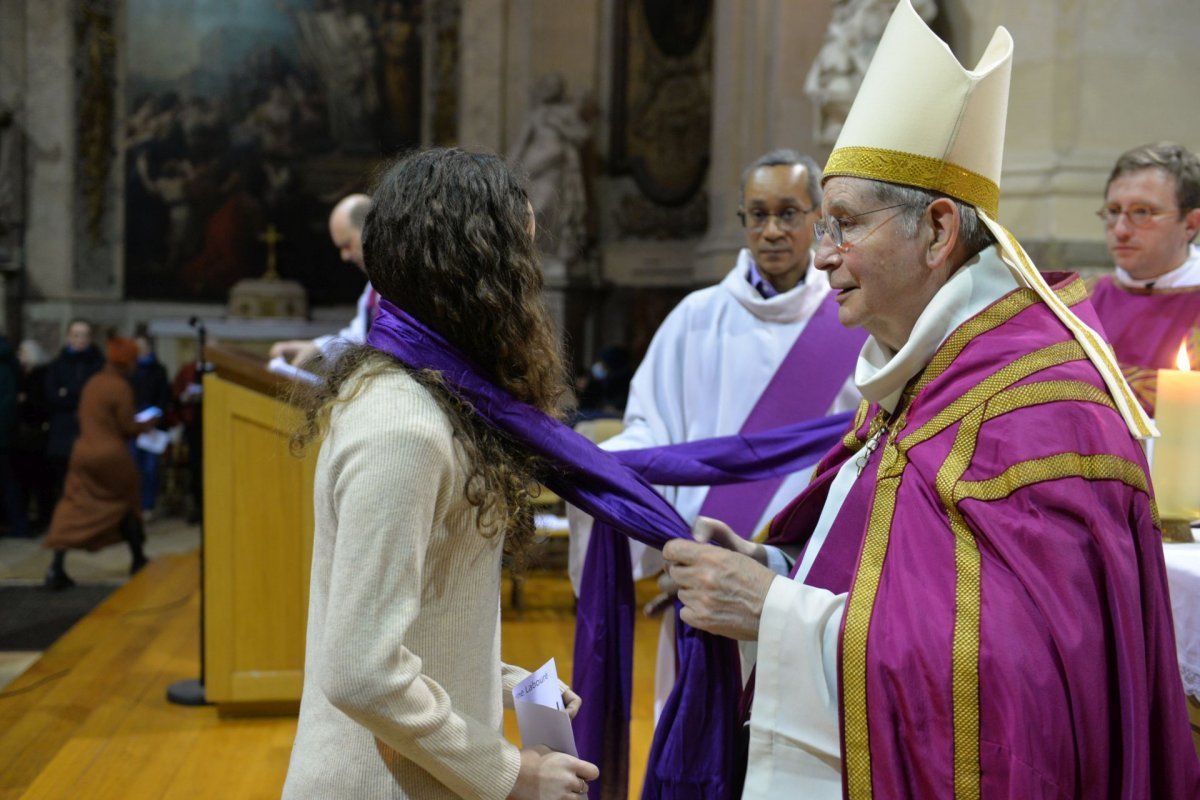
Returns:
<point x="662" y="90"/>
<point x="244" y="115"/>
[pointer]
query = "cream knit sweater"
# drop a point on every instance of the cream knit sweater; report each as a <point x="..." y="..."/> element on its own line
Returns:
<point x="403" y="683"/>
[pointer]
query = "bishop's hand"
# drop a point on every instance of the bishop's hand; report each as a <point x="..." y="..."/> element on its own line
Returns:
<point x="722" y="588"/>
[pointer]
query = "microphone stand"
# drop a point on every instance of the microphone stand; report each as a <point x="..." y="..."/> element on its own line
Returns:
<point x="190" y="691"/>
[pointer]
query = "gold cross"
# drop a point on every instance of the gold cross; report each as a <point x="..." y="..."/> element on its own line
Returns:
<point x="272" y="237"/>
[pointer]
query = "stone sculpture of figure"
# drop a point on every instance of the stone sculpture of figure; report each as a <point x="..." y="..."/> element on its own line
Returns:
<point x="838" y="69"/>
<point x="549" y="149"/>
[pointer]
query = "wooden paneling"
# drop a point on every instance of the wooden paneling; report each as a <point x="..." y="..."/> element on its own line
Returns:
<point x="258" y="545"/>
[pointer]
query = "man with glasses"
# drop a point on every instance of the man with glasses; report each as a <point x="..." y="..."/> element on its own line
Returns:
<point x="760" y="350"/>
<point x="1151" y="305"/>
<point x="969" y="599"/>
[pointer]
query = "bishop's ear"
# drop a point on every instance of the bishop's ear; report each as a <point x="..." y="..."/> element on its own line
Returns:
<point x="942" y="219"/>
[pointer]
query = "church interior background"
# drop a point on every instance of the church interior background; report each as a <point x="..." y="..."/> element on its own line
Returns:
<point x="155" y="154"/>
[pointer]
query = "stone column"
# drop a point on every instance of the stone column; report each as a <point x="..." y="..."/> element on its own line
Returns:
<point x="49" y="114"/>
<point x="762" y="52"/>
<point x="482" y="87"/>
<point x="1090" y="80"/>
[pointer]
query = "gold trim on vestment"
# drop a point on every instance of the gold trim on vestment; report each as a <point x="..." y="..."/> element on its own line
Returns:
<point x="859" y="607"/>
<point x="991" y="317"/>
<point x="851" y="441"/>
<point x="1099" y="351"/>
<point x="968" y="601"/>
<point x="1028" y="364"/>
<point x="910" y="169"/>
<point x="1033" y="394"/>
<point x="1098" y="467"/>
<point x="977" y="403"/>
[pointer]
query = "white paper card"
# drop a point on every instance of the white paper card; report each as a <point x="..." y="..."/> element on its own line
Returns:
<point x="154" y="441"/>
<point x="280" y="366"/>
<point x="540" y="714"/>
<point x="147" y="414"/>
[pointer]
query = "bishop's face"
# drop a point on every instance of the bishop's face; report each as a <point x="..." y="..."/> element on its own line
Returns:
<point x="878" y="274"/>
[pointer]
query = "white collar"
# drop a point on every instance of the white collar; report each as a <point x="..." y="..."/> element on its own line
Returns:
<point x="1184" y="276"/>
<point x="795" y="304"/>
<point x="882" y="373"/>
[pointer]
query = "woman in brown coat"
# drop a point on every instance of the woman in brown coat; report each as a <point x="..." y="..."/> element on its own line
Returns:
<point x="100" y="503"/>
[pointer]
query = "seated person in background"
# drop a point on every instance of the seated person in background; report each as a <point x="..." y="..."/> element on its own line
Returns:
<point x="1150" y="306"/>
<point x="345" y="229"/>
<point x="604" y="390"/>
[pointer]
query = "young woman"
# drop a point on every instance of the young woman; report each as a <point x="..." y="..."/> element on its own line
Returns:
<point x="416" y="499"/>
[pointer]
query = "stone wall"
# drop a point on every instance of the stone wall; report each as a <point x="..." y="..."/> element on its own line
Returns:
<point x="1091" y="78"/>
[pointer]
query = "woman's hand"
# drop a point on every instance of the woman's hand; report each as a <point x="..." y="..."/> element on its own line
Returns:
<point x="571" y="702"/>
<point x="547" y="775"/>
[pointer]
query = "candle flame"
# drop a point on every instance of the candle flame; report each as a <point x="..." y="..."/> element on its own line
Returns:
<point x="1181" y="360"/>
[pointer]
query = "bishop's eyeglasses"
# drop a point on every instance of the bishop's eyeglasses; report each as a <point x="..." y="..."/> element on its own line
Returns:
<point x="837" y="227"/>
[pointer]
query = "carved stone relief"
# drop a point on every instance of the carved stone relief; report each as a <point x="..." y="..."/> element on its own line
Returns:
<point x="850" y="42"/>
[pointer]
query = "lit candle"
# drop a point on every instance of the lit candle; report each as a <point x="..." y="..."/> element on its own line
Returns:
<point x="1176" y="466"/>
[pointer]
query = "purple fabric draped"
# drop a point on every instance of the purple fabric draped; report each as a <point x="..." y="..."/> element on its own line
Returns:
<point x="691" y="757"/>
<point x="804" y="387"/>
<point x="708" y="683"/>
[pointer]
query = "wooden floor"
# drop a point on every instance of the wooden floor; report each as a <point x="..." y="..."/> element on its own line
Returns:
<point x="90" y="718"/>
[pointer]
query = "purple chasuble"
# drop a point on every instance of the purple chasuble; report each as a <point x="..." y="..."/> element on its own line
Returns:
<point x="1146" y="328"/>
<point x="1008" y="631"/>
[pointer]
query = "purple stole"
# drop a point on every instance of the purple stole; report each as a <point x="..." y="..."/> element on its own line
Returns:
<point x="803" y="387"/>
<point x="1146" y="327"/>
<point x="692" y="759"/>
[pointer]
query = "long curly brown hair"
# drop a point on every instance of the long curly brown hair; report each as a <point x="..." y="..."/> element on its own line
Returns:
<point x="449" y="240"/>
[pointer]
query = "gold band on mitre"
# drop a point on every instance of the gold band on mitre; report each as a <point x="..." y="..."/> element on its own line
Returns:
<point x="910" y="169"/>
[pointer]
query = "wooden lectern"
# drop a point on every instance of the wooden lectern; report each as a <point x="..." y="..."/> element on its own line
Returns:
<point x="258" y="529"/>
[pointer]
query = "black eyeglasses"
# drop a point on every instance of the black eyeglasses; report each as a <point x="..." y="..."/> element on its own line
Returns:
<point x="789" y="219"/>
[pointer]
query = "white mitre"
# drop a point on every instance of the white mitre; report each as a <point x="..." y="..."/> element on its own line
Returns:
<point x="921" y="119"/>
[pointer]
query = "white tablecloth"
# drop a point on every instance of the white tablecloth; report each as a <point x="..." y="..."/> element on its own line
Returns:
<point x="1183" y="576"/>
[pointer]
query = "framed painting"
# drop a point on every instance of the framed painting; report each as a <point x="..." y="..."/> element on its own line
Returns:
<point x="245" y="114"/>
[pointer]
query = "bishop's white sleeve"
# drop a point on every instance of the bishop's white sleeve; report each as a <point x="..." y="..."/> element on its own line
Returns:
<point x="795" y="740"/>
